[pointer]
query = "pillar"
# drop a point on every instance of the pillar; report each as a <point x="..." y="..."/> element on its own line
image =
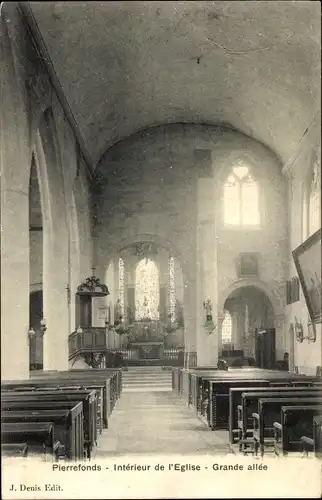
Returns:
<point x="55" y="297"/>
<point x="15" y="175"/>
<point x="56" y="263"/>
<point x="206" y="260"/>
<point x="14" y="285"/>
<point x="190" y="341"/>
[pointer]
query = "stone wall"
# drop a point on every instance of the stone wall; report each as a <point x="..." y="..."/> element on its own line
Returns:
<point x="35" y="123"/>
<point x="156" y="184"/>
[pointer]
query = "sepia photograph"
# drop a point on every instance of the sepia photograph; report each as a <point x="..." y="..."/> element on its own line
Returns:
<point x="161" y="325"/>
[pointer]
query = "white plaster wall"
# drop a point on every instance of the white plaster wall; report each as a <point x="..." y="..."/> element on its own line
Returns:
<point x="307" y="355"/>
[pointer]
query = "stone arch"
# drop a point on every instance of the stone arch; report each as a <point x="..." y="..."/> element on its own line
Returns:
<point x="248" y="282"/>
<point x="123" y="242"/>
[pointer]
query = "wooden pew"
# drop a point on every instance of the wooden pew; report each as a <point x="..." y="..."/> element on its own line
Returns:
<point x="87" y="396"/>
<point x="236" y="407"/>
<point x="295" y="422"/>
<point x="198" y="380"/>
<point x="218" y="407"/>
<point x="269" y="409"/>
<point x="37" y="400"/>
<point x="314" y="444"/>
<point x="249" y="406"/>
<point x="114" y="377"/>
<point x="14" y="450"/>
<point x="66" y="385"/>
<point x="39" y="437"/>
<point x="64" y="422"/>
<point x="317" y="435"/>
<point x="88" y="378"/>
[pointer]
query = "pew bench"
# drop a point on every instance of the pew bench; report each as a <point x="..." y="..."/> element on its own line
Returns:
<point x="269" y="412"/>
<point x="59" y="418"/>
<point x="113" y="377"/>
<point x="87" y="381"/>
<point x="236" y="407"/>
<point x="68" y="424"/>
<point x="314" y="444"/>
<point x="295" y="422"/>
<point x="218" y="398"/>
<point x="40" y="437"/>
<point x="65" y="386"/>
<point x="14" y="450"/>
<point x="250" y="404"/>
<point x="45" y="400"/>
<point x="218" y="407"/>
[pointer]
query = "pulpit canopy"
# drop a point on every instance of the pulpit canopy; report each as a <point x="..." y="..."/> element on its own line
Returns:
<point x="93" y="287"/>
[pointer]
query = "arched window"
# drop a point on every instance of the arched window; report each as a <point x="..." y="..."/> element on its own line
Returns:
<point x="241" y="198"/>
<point x="172" y="289"/>
<point x="147" y="290"/>
<point x="311" y="209"/>
<point x="121" y="287"/>
<point x="227" y="328"/>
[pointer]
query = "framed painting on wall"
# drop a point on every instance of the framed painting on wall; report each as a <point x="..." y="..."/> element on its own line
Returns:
<point x="307" y="259"/>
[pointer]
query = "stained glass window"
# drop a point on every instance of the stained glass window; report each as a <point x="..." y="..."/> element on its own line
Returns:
<point x="147" y="290"/>
<point x="227" y="328"/>
<point x="121" y="286"/>
<point x="172" y="289"/>
<point x="241" y="199"/>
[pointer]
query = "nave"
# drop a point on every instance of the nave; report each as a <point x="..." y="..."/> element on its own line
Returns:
<point x="148" y="421"/>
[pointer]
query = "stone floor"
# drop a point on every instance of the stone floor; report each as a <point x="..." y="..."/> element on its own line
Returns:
<point x="158" y="422"/>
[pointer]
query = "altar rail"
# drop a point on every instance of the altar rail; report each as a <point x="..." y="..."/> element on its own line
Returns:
<point x="168" y="354"/>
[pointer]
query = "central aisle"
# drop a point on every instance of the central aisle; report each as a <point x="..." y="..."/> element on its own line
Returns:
<point x="149" y="422"/>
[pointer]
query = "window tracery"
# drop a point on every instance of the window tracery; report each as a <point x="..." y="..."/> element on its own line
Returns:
<point x="227" y="328"/>
<point x="172" y="289"/>
<point x="121" y="287"/>
<point x="241" y="198"/>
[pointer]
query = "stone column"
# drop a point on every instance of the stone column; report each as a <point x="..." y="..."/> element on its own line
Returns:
<point x="206" y="259"/>
<point x="55" y="279"/>
<point x="55" y="256"/>
<point x="190" y="341"/>
<point x="15" y="176"/>
<point x="14" y="285"/>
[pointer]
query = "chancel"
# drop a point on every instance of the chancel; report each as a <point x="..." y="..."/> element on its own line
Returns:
<point x="161" y="229"/>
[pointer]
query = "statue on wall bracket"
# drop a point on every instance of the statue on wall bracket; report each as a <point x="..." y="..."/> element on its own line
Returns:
<point x="209" y="324"/>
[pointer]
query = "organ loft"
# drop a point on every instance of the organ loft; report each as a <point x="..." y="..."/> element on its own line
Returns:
<point x="160" y="228"/>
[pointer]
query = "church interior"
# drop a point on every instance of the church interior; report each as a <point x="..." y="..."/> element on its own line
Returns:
<point x="160" y="228"/>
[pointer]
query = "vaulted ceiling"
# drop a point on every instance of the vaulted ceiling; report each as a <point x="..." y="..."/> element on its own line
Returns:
<point x="128" y="65"/>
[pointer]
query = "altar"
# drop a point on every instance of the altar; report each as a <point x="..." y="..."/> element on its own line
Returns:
<point x="148" y="350"/>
